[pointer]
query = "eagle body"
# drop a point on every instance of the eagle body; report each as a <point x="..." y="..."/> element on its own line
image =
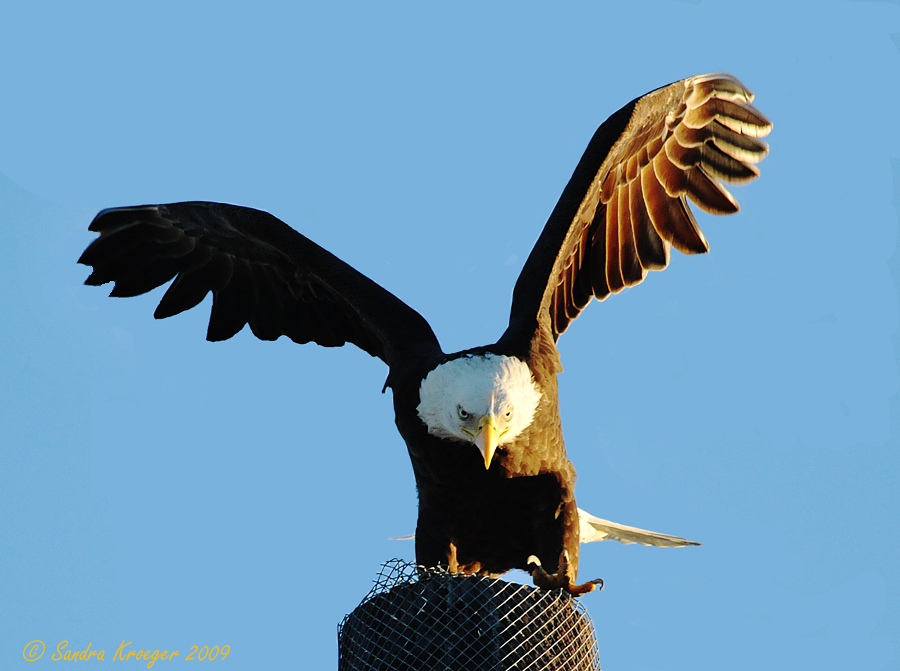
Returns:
<point x="482" y="427"/>
<point x="522" y="505"/>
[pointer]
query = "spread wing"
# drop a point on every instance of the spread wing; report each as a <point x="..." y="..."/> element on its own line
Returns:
<point x="626" y="204"/>
<point x="261" y="272"/>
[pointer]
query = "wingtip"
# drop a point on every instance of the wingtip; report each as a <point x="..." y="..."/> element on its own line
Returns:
<point x="109" y="217"/>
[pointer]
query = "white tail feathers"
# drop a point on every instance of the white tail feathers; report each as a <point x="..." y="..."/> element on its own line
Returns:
<point x="594" y="529"/>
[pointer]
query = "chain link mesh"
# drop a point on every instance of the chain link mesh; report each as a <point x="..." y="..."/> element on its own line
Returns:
<point x="418" y="619"/>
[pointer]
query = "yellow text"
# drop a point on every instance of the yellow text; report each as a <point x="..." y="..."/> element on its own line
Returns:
<point x="76" y="655"/>
<point x="145" y="655"/>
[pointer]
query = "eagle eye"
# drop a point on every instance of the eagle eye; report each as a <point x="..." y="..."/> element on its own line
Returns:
<point x="462" y="413"/>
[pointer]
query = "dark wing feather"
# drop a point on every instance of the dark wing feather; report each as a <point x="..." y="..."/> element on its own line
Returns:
<point x="260" y="272"/>
<point x="626" y="203"/>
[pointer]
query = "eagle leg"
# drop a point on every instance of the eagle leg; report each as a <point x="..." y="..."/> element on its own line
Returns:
<point x="453" y="565"/>
<point x="562" y="579"/>
<point x="452" y="561"/>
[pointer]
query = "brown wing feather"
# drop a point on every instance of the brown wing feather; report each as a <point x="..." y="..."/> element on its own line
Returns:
<point x="261" y="272"/>
<point x="627" y="201"/>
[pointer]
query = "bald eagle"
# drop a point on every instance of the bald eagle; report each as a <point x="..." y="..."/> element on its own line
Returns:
<point x="482" y="426"/>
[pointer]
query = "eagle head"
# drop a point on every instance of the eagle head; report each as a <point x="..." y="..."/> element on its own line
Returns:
<point x="484" y="399"/>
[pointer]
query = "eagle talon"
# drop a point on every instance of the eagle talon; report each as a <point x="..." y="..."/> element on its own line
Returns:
<point x="562" y="579"/>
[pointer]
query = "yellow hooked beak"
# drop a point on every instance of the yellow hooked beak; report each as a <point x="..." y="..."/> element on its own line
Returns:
<point x="487" y="439"/>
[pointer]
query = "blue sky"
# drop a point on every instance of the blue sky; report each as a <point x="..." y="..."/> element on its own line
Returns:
<point x="159" y="489"/>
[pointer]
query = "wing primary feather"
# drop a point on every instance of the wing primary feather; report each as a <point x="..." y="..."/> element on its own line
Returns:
<point x="614" y="278"/>
<point x="719" y="85"/>
<point x="182" y="294"/>
<point x="723" y="166"/>
<point x="233" y="304"/>
<point x="629" y="260"/>
<point x="144" y="277"/>
<point x="708" y="193"/>
<point x="652" y="250"/>
<point x="671" y="218"/>
<point x="270" y="300"/>
<point x="109" y="246"/>
<point x="297" y="322"/>
<point x="120" y="262"/>
<point x="195" y="283"/>
<point x="597" y="257"/>
<point x="668" y="174"/>
<point x="570" y="291"/>
<point x="582" y="288"/>
<point x="189" y="288"/>
<point x="741" y="118"/>
<point x="744" y="148"/>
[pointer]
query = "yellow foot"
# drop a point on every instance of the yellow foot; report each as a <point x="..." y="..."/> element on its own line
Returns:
<point x="562" y="579"/>
<point x="453" y="565"/>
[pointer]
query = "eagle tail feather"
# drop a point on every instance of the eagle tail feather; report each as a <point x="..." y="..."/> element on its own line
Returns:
<point x="595" y="529"/>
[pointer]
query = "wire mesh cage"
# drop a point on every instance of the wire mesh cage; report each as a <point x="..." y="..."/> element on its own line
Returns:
<point x="418" y="619"/>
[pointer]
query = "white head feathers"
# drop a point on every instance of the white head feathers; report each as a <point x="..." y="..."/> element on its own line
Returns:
<point x="458" y="394"/>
